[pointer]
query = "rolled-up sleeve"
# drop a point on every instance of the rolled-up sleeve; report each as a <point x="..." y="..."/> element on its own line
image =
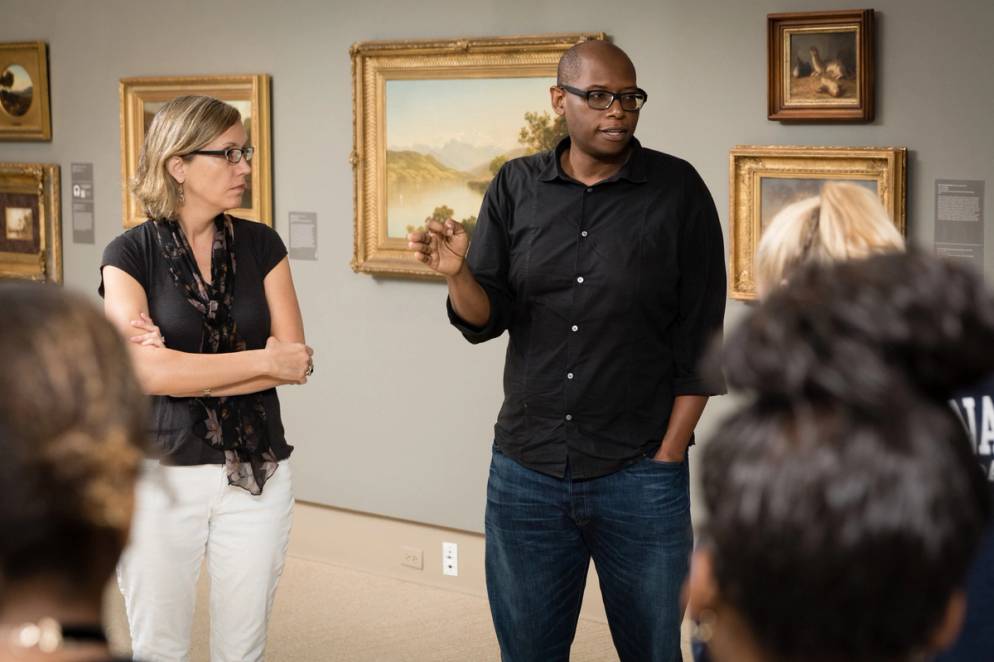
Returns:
<point x="488" y="260"/>
<point x="702" y="290"/>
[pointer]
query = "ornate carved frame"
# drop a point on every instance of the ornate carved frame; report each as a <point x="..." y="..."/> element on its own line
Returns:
<point x="748" y="164"/>
<point x="41" y="180"/>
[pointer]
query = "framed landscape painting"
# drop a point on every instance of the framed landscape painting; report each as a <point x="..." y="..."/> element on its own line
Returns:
<point x="764" y="180"/>
<point x="30" y="222"/>
<point x="141" y="98"/>
<point x="821" y="65"/>
<point x="24" y="102"/>
<point x="434" y="121"/>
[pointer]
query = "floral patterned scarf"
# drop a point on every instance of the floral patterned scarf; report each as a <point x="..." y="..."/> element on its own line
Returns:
<point x="233" y="424"/>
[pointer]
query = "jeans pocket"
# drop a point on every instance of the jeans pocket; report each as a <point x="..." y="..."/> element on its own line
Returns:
<point x="497" y="458"/>
<point x="667" y="464"/>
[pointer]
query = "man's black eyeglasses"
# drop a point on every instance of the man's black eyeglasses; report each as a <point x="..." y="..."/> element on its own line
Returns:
<point x="233" y="154"/>
<point x="602" y="99"/>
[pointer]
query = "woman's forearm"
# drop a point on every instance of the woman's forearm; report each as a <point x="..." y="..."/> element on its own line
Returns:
<point x="239" y="388"/>
<point x="163" y="371"/>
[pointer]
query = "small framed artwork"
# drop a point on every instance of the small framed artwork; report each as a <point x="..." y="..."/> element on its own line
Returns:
<point x="821" y="65"/>
<point x="434" y="121"/>
<point x="141" y="98"/>
<point x="30" y="222"/>
<point x="24" y="103"/>
<point x="764" y="180"/>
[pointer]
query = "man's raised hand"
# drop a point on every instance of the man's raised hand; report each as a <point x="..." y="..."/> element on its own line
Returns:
<point x="442" y="246"/>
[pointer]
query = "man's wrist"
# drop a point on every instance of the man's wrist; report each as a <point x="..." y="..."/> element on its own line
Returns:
<point x="671" y="450"/>
<point x="459" y="275"/>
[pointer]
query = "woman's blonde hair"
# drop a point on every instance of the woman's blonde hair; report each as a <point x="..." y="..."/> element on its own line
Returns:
<point x="844" y="222"/>
<point x="183" y="125"/>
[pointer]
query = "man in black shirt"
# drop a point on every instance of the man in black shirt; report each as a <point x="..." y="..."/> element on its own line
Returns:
<point x="604" y="262"/>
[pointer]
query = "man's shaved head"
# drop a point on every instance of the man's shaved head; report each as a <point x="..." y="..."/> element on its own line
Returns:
<point x="600" y="134"/>
<point x="571" y="63"/>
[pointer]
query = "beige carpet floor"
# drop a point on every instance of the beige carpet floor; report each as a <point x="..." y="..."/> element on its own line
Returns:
<point x="329" y="613"/>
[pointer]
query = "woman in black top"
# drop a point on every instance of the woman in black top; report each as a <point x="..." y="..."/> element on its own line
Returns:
<point x="209" y="305"/>
<point x="72" y="437"/>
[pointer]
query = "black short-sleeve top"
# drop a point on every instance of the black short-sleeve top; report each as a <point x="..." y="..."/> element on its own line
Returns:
<point x="258" y="249"/>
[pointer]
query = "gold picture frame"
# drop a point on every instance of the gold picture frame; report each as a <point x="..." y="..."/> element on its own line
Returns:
<point x="30" y="222"/>
<point x="24" y="103"/>
<point x="439" y="88"/>
<point x="781" y="174"/>
<point x="141" y="97"/>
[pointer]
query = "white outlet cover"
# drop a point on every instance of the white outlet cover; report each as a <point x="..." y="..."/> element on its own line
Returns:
<point x="450" y="559"/>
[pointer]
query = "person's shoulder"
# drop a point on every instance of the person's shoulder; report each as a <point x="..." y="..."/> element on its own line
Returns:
<point x="538" y="160"/>
<point x="528" y="166"/>
<point x="657" y="160"/>
<point x="666" y="170"/>
<point x="132" y="238"/>
<point x="243" y="223"/>
<point x="259" y="240"/>
<point x="251" y="229"/>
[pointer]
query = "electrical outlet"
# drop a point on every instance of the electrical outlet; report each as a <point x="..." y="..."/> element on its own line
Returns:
<point x="450" y="559"/>
<point x="412" y="557"/>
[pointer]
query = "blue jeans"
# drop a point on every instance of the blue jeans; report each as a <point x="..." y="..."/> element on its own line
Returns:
<point x="541" y="533"/>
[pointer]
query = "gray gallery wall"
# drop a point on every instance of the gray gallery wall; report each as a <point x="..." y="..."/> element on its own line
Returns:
<point x="398" y="416"/>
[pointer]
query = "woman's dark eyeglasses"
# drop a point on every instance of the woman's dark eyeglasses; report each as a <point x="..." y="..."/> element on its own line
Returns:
<point x="602" y="99"/>
<point x="233" y="154"/>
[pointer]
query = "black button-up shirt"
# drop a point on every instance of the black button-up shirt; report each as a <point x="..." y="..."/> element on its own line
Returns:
<point x="610" y="294"/>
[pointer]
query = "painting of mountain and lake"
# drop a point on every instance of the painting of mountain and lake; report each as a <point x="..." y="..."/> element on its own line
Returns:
<point x="446" y="139"/>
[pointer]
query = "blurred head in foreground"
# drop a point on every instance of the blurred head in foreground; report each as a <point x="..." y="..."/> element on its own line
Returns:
<point x="844" y="501"/>
<point x="72" y="432"/>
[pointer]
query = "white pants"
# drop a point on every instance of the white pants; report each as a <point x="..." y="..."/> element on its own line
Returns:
<point x="181" y="514"/>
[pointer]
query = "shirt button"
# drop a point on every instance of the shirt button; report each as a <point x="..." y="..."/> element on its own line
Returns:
<point x="583" y="233"/>
<point x="569" y="417"/>
<point x="569" y="375"/>
<point x="590" y="190"/>
<point x="579" y="279"/>
<point x="574" y="328"/>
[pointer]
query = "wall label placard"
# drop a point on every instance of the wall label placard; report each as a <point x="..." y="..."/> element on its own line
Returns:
<point x="303" y="235"/>
<point x="81" y="180"/>
<point x="959" y="220"/>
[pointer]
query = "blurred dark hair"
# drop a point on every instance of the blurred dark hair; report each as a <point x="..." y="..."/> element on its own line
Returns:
<point x="861" y="329"/>
<point x="844" y="500"/>
<point x="838" y="536"/>
<point x="72" y="435"/>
